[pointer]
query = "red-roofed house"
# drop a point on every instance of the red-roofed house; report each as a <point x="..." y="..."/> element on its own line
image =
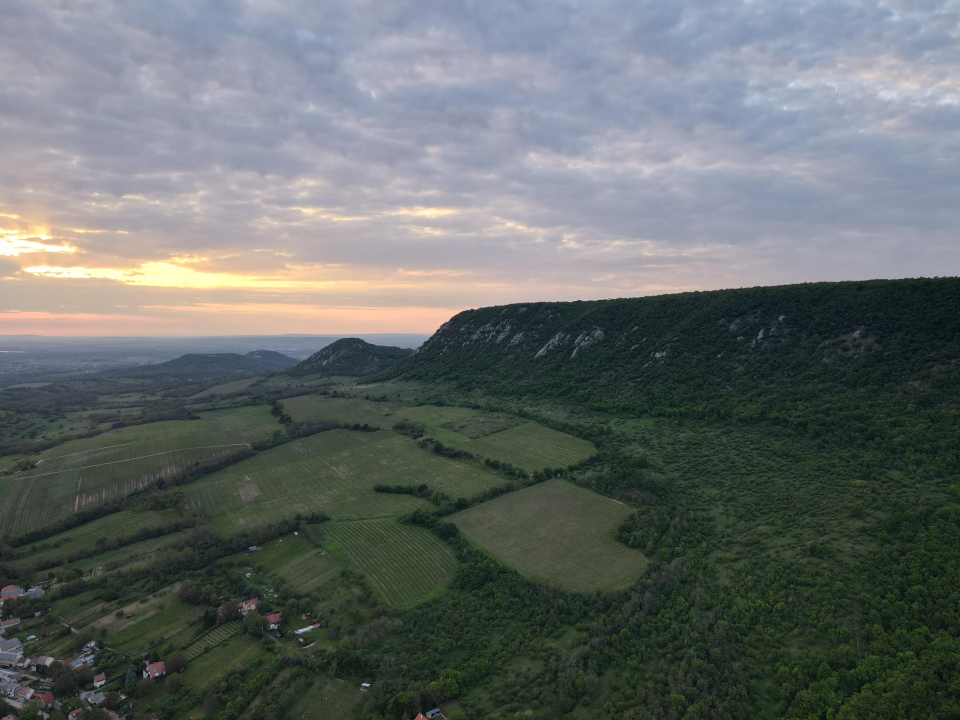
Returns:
<point x="11" y="591"/>
<point x="157" y="669"/>
<point x="75" y="714"/>
<point x="99" y="681"/>
<point x="273" y="620"/>
<point x="249" y="605"/>
<point x="46" y="698"/>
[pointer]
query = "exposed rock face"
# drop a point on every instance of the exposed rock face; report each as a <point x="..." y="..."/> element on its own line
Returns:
<point x="352" y="357"/>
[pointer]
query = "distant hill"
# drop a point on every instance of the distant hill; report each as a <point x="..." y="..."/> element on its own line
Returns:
<point x="867" y="362"/>
<point x="209" y="364"/>
<point x="352" y="357"/>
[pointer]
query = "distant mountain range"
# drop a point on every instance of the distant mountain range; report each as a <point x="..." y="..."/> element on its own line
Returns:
<point x="350" y="356"/>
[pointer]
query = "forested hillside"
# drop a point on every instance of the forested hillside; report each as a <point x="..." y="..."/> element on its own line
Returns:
<point x="870" y="364"/>
<point x="351" y="357"/>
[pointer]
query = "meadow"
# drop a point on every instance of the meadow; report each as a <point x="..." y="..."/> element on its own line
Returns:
<point x="218" y="661"/>
<point x="557" y="533"/>
<point x="404" y="564"/>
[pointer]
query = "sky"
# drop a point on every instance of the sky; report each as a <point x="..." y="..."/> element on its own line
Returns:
<point x="231" y="167"/>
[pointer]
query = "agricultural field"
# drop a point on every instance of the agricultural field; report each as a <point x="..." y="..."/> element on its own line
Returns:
<point x="531" y="447"/>
<point x="61" y="546"/>
<point x="334" y="472"/>
<point x="83" y="473"/>
<point x="226" y="388"/>
<point x="327" y="699"/>
<point x="557" y="533"/>
<point x="404" y="564"/>
<point x="218" y="635"/>
<point x="317" y="408"/>
<point x="297" y="562"/>
<point x="155" y="625"/>
<point x="217" y="662"/>
<point x="482" y="424"/>
<point x="125" y="558"/>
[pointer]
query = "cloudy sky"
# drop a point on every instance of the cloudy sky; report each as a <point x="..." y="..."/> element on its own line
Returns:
<point x="281" y="166"/>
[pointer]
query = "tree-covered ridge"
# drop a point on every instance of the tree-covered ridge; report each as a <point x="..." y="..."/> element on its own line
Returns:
<point x="351" y="357"/>
<point x="873" y="364"/>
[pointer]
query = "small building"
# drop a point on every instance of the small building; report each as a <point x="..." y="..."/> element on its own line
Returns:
<point x="435" y="714"/>
<point x="25" y="694"/>
<point x="93" y="698"/>
<point x="75" y="714"/>
<point x="9" y="659"/>
<point x="364" y="686"/>
<point x="253" y="549"/>
<point x="11" y="591"/>
<point x="43" y="661"/>
<point x="24" y="663"/>
<point x="9" y="689"/>
<point x="155" y="670"/>
<point x="46" y="698"/>
<point x="250" y="605"/>
<point x="99" y="681"/>
<point x="11" y="645"/>
<point x="273" y="620"/>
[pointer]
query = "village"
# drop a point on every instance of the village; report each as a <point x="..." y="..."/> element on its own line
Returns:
<point x="35" y="686"/>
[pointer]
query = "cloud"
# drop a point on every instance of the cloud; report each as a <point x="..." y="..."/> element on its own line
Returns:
<point x="494" y="151"/>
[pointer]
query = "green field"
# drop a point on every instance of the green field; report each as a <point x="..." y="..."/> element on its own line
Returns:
<point x="557" y="533"/>
<point x="531" y="447"/>
<point x="227" y="388"/>
<point x="317" y="408"/>
<point x="327" y="699"/>
<point x="163" y="621"/>
<point x="404" y="564"/>
<point x="83" y="473"/>
<point x="126" y="558"/>
<point x="297" y="562"/>
<point x="482" y="424"/>
<point x="218" y="635"/>
<point x="239" y="650"/>
<point x="334" y="472"/>
<point x="84" y="537"/>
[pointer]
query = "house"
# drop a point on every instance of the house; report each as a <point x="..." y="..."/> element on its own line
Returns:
<point x="273" y="621"/>
<point x="43" y="661"/>
<point x="9" y="689"/>
<point x="11" y="592"/>
<point x="9" y="659"/>
<point x="155" y="670"/>
<point x="25" y="694"/>
<point x="24" y="663"/>
<point x="34" y="592"/>
<point x="46" y="698"/>
<point x="435" y="714"/>
<point x="11" y="645"/>
<point x="99" y="681"/>
<point x="75" y="714"/>
<point x="91" y="646"/>
<point x="249" y="605"/>
<point x="93" y="698"/>
<point x="76" y="664"/>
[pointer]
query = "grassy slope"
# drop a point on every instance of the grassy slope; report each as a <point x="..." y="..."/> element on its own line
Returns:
<point x="556" y="532"/>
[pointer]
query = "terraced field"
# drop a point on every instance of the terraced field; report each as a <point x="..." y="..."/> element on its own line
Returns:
<point x="83" y="473"/>
<point x="404" y="564"/>
<point x="531" y="447"/>
<point x="127" y="557"/>
<point x="334" y="472"/>
<point x="557" y="533"/>
<point x="327" y="699"/>
<point x="220" y="634"/>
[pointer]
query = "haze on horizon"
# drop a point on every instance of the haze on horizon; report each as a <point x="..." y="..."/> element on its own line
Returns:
<point x="298" y="167"/>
